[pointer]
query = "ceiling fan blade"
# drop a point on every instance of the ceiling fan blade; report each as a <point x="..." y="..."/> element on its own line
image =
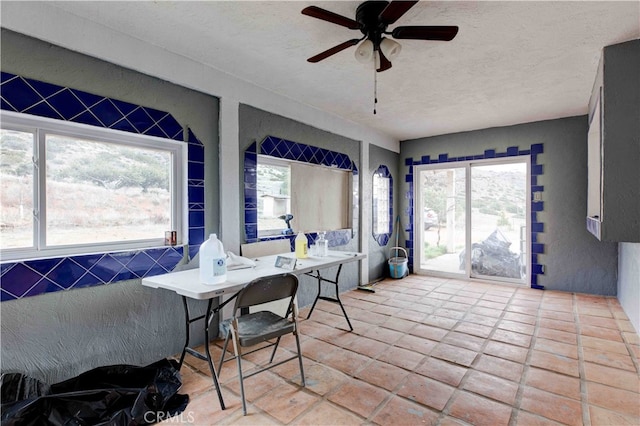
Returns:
<point x="385" y="64"/>
<point x="395" y="10"/>
<point x="325" y="15"/>
<point x="334" y="50"/>
<point x="442" y="33"/>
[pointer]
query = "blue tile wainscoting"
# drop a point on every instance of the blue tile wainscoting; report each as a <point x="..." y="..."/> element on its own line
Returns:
<point x="33" y="277"/>
<point x="537" y="226"/>
<point x="289" y="150"/>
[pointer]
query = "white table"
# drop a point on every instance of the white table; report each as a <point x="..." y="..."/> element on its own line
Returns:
<point x="187" y="284"/>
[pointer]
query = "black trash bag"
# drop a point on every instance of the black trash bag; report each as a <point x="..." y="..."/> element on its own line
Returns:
<point x="113" y="395"/>
<point x="16" y="387"/>
<point x="493" y="257"/>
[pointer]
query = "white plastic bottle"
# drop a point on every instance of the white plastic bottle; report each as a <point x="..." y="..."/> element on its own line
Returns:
<point x="213" y="261"/>
<point x="301" y="246"/>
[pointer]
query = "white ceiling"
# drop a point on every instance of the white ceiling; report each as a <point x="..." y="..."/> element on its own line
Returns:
<point x="511" y="62"/>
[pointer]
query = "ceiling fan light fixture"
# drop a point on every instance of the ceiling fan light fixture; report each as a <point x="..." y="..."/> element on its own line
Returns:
<point x="372" y="20"/>
<point x="390" y="48"/>
<point x="364" y="52"/>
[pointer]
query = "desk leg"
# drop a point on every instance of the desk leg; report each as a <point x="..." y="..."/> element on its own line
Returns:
<point x="337" y="300"/>
<point x="214" y="374"/>
<point x="207" y="317"/>
<point x="187" y="333"/>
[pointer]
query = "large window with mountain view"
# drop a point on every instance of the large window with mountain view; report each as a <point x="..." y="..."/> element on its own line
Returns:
<point x="68" y="188"/>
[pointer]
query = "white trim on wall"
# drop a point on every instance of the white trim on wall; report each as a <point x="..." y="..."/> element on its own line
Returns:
<point x="366" y="200"/>
<point x="229" y="175"/>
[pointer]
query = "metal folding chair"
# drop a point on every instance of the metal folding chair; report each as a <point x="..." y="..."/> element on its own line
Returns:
<point x="255" y="328"/>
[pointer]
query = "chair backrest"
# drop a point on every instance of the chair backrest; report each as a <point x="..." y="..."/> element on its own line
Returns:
<point x="267" y="289"/>
<point x="265" y="248"/>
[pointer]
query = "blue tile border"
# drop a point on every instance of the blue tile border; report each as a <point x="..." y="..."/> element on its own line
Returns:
<point x="289" y="150"/>
<point x="282" y="148"/>
<point x="537" y="226"/>
<point x="33" y="277"/>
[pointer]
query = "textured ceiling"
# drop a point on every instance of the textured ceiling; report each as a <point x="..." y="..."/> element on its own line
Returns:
<point x="511" y="62"/>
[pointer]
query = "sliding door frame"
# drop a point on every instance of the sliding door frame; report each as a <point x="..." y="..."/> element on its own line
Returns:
<point x="418" y="219"/>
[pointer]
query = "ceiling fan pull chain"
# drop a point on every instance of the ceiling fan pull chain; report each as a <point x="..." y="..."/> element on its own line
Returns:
<point x="375" y="87"/>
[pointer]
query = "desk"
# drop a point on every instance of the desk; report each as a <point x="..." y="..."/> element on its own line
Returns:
<point x="187" y="284"/>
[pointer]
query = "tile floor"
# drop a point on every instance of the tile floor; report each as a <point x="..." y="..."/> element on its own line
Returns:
<point x="427" y="351"/>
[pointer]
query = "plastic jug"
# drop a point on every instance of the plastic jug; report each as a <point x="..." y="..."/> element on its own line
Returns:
<point x="301" y="246"/>
<point x="213" y="261"/>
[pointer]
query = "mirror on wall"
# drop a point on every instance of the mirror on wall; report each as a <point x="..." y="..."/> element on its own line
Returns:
<point x="382" y="205"/>
<point x="291" y="187"/>
<point x="293" y="197"/>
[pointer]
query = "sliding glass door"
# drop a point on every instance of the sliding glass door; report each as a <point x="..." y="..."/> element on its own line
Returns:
<point x="441" y="219"/>
<point x="472" y="219"/>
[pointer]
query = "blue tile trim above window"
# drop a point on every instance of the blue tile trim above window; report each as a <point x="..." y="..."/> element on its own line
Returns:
<point x="537" y="226"/>
<point x="289" y="150"/>
<point x="23" y="95"/>
<point x="30" y="278"/>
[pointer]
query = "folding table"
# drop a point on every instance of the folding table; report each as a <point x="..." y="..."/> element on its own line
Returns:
<point x="187" y="285"/>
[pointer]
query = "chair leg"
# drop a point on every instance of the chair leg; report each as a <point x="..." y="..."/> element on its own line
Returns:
<point x="300" y="357"/>
<point x="273" y="354"/>
<point x="236" y="350"/>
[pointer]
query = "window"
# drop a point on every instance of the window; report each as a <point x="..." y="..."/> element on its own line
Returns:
<point x="381" y="224"/>
<point x="318" y="197"/>
<point x="274" y="199"/>
<point x="382" y="194"/>
<point x="70" y="189"/>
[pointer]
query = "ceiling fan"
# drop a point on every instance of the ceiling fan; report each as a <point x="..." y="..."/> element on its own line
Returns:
<point x="372" y="19"/>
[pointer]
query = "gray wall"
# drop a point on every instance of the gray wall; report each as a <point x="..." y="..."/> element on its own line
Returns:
<point x="58" y="335"/>
<point x="377" y="255"/>
<point x="621" y="142"/>
<point x="255" y="125"/>
<point x="625" y="93"/>
<point x="574" y="260"/>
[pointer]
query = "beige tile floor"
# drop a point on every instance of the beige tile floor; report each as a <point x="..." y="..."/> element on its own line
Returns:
<point x="427" y="351"/>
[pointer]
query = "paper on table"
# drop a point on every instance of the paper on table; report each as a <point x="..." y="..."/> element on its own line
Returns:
<point x="238" y="262"/>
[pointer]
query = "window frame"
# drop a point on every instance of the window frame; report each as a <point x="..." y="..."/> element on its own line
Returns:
<point x="41" y="126"/>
